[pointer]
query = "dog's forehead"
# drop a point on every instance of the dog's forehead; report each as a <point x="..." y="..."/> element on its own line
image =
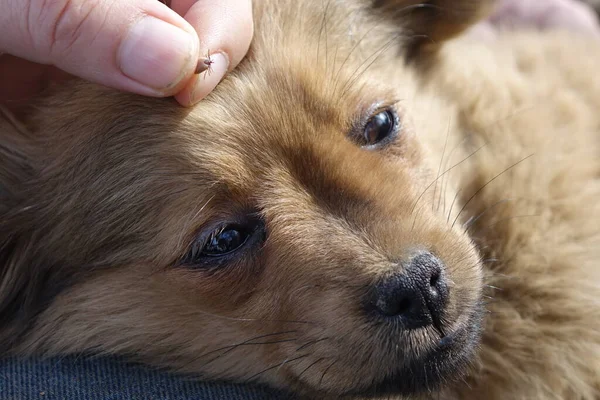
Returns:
<point x="236" y="142"/>
<point x="296" y="78"/>
<point x="287" y="99"/>
<point x="271" y="110"/>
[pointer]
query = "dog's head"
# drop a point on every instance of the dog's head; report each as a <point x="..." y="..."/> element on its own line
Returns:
<point x="287" y="229"/>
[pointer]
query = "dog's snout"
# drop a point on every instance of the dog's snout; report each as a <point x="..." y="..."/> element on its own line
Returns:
<point x="417" y="295"/>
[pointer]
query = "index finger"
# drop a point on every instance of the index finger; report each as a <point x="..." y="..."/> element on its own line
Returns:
<point x="225" y="29"/>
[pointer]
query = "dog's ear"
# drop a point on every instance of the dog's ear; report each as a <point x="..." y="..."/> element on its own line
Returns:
<point x="426" y="25"/>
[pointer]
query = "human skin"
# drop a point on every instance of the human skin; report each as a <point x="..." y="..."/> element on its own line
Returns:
<point x="140" y="46"/>
<point x="573" y="15"/>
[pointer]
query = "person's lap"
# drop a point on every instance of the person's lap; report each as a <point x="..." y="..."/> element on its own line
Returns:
<point x="103" y="378"/>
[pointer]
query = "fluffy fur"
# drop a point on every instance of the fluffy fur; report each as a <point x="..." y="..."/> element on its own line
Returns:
<point x="495" y="169"/>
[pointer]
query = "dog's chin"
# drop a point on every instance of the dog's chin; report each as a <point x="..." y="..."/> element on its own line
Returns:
<point x="448" y="361"/>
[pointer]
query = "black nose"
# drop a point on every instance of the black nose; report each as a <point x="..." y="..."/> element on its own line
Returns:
<point x="417" y="296"/>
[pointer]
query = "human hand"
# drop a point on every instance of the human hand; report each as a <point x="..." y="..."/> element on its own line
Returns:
<point x="574" y="15"/>
<point x="141" y="46"/>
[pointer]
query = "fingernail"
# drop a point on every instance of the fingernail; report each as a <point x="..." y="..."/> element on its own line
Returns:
<point x="156" y="53"/>
<point x="207" y="80"/>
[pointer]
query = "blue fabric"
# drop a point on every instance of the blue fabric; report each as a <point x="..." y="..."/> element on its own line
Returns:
<point x="80" y="378"/>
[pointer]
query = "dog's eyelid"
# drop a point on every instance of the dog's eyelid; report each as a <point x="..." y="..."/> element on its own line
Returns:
<point x="218" y="243"/>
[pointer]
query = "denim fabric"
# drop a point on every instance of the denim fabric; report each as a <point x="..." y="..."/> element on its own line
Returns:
<point x="79" y="378"/>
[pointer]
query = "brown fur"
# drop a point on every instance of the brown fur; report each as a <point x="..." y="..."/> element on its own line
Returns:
<point x="104" y="197"/>
<point x="594" y="3"/>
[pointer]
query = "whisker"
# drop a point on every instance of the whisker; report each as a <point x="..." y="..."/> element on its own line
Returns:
<point x="510" y="116"/>
<point x="279" y="365"/>
<point x="452" y="205"/>
<point x="249" y="342"/>
<point x="493" y="287"/>
<point x="375" y="56"/>
<point x="377" y="24"/>
<point x="441" y="161"/>
<point x="445" y="172"/>
<point x="182" y="234"/>
<point x="360" y="40"/>
<point x="473" y="266"/>
<point x="412" y="210"/>
<point x="471" y="221"/>
<point x="335" y="55"/>
<point x="513" y="217"/>
<point x="466" y="383"/>
<point x="479" y="262"/>
<point x="485" y="185"/>
<point x="234" y="346"/>
<point x="503" y="276"/>
<point x="326" y="370"/>
<point x="446" y="179"/>
<point x="490" y="260"/>
<point x="323" y="24"/>
<point x="311" y="343"/>
<point x="425" y="376"/>
<point x="307" y="368"/>
<point x="254" y="319"/>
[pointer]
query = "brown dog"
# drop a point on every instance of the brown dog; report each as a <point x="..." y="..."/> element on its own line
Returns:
<point x="363" y="207"/>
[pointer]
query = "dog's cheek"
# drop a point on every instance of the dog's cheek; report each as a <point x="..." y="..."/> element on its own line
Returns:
<point x="227" y="288"/>
<point x="122" y="310"/>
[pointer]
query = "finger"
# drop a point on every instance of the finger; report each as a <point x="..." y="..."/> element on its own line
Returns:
<point x="225" y="29"/>
<point x="138" y="45"/>
<point x="575" y="16"/>
<point x="550" y="14"/>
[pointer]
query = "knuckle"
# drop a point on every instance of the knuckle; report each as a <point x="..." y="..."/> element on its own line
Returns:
<point x="41" y="21"/>
<point x="64" y="24"/>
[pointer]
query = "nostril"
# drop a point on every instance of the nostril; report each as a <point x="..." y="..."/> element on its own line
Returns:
<point x="435" y="278"/>
<point x="398" y="308"/>
<point x="393" y="305"/>
<point x="403" y="306"/>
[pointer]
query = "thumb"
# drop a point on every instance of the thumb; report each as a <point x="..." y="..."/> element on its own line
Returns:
<point x="140" y="46"/>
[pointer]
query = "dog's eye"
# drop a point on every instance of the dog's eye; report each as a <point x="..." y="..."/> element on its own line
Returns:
<point x="229" y="240"/>
<point x="225" y="241"/>
<point x="380" y="128"/>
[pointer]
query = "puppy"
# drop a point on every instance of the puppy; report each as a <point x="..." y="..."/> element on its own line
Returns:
<point x="365" y="207"/>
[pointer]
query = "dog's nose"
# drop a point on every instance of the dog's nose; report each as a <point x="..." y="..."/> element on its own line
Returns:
<point x="417" y="296"/>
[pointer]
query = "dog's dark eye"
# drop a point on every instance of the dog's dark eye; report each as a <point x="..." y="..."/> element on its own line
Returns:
<point x="224" y="242"/>
<point x="380" y="128"/>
